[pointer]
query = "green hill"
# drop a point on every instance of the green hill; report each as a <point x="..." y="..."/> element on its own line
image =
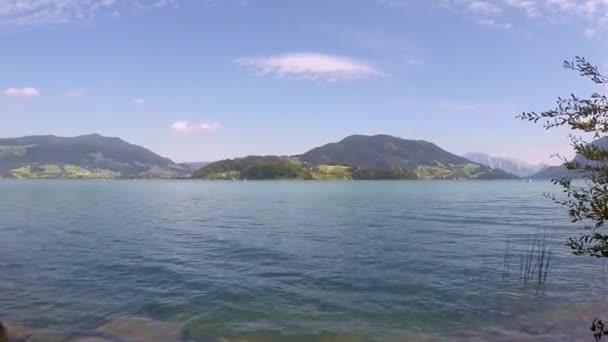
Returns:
<point x="385" y="152"/>
<point x="87" y="156"/>
<point x="356" y="157"/>
<point x="271" y="167"/>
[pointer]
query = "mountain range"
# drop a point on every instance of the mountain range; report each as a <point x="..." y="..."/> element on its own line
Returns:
<point x="354" y="157"/>
<point x="357" y="157"/>
<point x="193" y="166"/>
<point x="86" y="156"/>
<point x="557" y="172"/>
<point x="513" y="166"/>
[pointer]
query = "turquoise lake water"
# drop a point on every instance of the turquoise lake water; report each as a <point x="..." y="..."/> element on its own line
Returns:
<point x="285" y="260"/>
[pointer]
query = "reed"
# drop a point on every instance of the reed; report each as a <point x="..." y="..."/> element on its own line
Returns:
<point x="506" y="267"/>
<point x="535" y="258"/>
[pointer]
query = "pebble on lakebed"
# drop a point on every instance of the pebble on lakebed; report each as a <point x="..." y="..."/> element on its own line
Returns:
<point x="119" y="329"/>
<point x="134" y="329"/>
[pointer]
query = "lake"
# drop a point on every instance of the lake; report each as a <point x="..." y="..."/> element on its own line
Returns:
<point x="285" y="261"/>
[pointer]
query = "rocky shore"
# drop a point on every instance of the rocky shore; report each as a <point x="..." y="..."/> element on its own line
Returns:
<point x="566" y="323"/>
<point x="119" y="329"/>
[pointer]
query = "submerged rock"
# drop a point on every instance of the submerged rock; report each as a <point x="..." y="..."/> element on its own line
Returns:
<point x="115" y="330"/>
<point x="95" y="338"/>
<point x="132" y="329"/>
<point x="3" y="333"/>
<point x="21" y="333"/>
<point x="16" y="332"/>
<point x="26" y="334"/>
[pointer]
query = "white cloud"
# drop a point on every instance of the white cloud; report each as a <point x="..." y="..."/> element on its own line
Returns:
<point x="26" y="92"/>
<point x="75" y="92"/>
<point x="185" y="127"/>
<point x="563" y="5"/>
<point x="477" y="108"/>
<point x="395" y="3"/>
<point x="590" y="33"/>
<point x="530" y="7"/>
<point x="491" y="22"/>
<point x="484" y="7"/>
<point x="30" y="13"/>
<point x="456" y="106"/>
<point x="138" y="101"/>
<point x="592" y="14"/>
<point x="313" y="66"/>
<point x="415" y="61"/>
<point x="490" y="13"/>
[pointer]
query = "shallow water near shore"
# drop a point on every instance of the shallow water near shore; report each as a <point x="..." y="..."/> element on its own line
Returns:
<point x="275" y="261"/>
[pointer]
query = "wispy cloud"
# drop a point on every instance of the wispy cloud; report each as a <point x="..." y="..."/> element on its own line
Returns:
<point x="529" y="7"/>
<point x="75" y="92"/>
<point x="593" y="14"/>
<point x="395" y="3"/>
<point x="476" y="108"/>
<point x="26" y="92"/>
<point x="454" y="106"/>
<point x="31" y="13"/>
<point x="491" y="22"/>
<point x="138" y="101"/>
<point x="185" y="127"/>
<point x="415" y="61"/>
<point x="484" y="8"/>
<point x="312" y="66"/>
<point x="457" y="106"/>
<point x="590" y="33"/>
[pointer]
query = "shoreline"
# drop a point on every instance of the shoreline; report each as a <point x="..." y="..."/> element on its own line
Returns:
<point x="524" y="180"/>
<point x="158" y="331"/>
<point x="564" y="323"/>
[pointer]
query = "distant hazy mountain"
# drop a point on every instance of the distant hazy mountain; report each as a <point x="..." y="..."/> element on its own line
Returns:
<point x="516" y="167"/>
<point x="87" y="156"/>
<point x="358" y="157"/>
<point x="193" y="166"/>
<point x="556" y="172"/>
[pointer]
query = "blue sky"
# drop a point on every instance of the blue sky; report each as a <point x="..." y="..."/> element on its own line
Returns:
<point x="203" y="80"/>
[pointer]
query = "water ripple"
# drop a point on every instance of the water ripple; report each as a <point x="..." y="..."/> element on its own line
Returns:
<point x="280" y="260"/>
